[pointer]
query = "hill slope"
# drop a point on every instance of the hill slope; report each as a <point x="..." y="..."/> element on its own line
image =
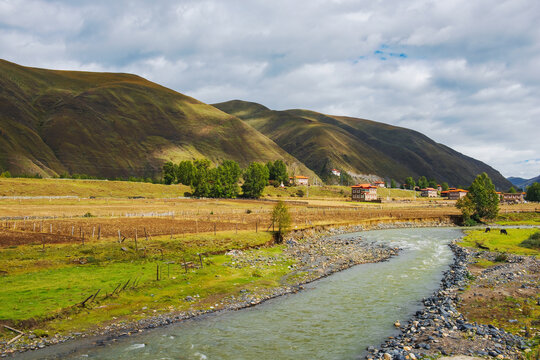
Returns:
<point x="106" y="124"/>
<point x="523" y="183"/>
<point x="323" y="142"/>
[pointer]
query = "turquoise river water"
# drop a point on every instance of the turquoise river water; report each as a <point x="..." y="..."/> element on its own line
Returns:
<point x="334" y="318"/>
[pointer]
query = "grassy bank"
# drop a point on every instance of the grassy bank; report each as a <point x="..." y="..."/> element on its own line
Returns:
<point x="497" y="242"/>
<point x="44" y="287"/>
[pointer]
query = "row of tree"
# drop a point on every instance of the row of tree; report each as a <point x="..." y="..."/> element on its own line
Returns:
<point x="222" y="181"/>
<point x="422" y="183"/>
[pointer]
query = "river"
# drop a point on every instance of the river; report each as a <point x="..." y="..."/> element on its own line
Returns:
<point x="334" y="318"/>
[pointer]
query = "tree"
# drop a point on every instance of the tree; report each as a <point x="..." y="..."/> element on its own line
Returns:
<point x="410" y="183"/>
<point x="169" y="173"/>
<point x="281" y="218"/>
<point x="444" y="186"/>
<point x="185" y="172"/>
<point x="255" y="179"/>
<point x="533" y="192"/>
<point x="432" y="183"/>
<point x="393" y="183"/>
<point x="224" y="180"/>
<point x="345" y="178"/>
<point x="200" y="184"/>
<point x="481" y="202"/>
<point x="512" y="190"/>
<point x="277" y="171"/>
<point x="422" y="182"/>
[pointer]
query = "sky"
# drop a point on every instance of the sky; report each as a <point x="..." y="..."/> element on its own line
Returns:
<point x="464" y="73"/>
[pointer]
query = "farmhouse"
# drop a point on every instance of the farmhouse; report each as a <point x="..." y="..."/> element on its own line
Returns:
<point x="380" y="184"/>
<point x="364" y="192"/>
<point x="429" y="192"/>
<point x="512" y="197"/>
<point x="444" y="193"/>
<point x="456" y="194"/>
<point x="299" y="180"/>
<point x="336" y="172"/>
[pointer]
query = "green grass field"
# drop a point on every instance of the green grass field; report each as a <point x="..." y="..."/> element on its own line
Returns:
<point x="43" y="287"/>
<point x="520" y="218"/>
<point x="500" y="243"/>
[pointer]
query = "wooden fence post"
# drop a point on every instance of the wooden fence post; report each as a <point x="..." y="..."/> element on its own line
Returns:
<point x="136" y="246"/>
<point x="99" y="232"/>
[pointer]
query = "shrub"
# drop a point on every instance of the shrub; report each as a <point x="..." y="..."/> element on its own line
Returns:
<point x="300" y="193"/>
<point x="248" y="211"/>
<point x="533" y="242"/>
<point x="88" y="215"/>
<point x="469" y="222"/>
<point x="501" y="258"/>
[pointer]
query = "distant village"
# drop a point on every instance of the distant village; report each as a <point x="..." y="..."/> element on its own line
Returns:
<point x="368" y="191"/>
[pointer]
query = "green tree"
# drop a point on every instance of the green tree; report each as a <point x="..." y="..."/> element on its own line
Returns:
<point x="410" y="183"/>
<point x="185" y="172"/>
<point x="533" y="192"/>
<point x="345" y="178"/>
<point x="255" y="179"/>
<point x="432" y="183"/>
<point x="277" y="171"/>
<point x="169" y="173"/>
<point x="201" y="181"/>
<point x="445" y="186"/>
<point x="422" y="182"/>
<point x="393" y="184"/>
<point x="281" y="218"/>
<point x="224" y="180"/>
<point x="481" y="202"/>
<point x="512" y="190"/>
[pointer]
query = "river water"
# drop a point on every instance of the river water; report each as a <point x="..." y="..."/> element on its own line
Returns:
<point x="334" y="318"/>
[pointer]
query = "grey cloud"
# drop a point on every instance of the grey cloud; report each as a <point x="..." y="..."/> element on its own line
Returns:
<point x="469" y="80"/>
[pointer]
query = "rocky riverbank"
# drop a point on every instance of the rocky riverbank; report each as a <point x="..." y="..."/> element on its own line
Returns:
<point x="440" y="329"/>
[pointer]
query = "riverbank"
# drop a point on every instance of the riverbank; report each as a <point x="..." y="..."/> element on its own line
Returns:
<point x="440" y="328"/>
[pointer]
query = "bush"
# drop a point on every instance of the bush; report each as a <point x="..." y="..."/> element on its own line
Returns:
<point x="88" y="215"/>
<point x="248" y="211"/>
<point x="533" y="242"/>
<point x="300" y="193"/>
<point x="501" y="258"/>
<point x="469" y="222"/>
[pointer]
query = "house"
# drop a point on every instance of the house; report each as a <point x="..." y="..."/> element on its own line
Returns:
<point x="336" y="172"/>
<point x="380" y="184"/>
<point x="512" y="197"/>
<point x="444" y="193"/>
<point x="429" y="192"/>
<point x="456" y="194"/>
<point x="364" y="192"/>
<point x="299" y="180"/>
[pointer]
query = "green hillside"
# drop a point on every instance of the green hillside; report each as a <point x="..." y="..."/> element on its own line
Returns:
<point x="323" y="142"/>
<point x="107" y="124"/>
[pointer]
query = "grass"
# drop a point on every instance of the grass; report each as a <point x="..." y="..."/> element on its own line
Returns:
<point x="501" y="243"/>
<point x="519" y="218"/>
<point x="42" y="285"/>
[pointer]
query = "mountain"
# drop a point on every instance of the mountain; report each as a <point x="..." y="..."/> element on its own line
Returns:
<point x="107" y="124"/>
<point x="523" y="183"/>
<point x="361" y="147"/>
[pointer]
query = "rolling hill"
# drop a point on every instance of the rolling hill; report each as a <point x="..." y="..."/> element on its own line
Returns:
<point x="523" y="183"/>
<point x="114" y="125"/>
<point x="360" y="146"/>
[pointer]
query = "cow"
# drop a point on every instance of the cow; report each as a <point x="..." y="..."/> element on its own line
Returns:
<point x="487" y="230"/>
<point x="504" y="232"/>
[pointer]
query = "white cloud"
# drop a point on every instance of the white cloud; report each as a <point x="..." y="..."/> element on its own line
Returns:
<point x="464" y="73"/>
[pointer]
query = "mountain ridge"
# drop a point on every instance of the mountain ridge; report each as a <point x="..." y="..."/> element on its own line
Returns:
<point x="360" y="146"/>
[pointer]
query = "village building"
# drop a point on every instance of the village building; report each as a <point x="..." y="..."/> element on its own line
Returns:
<point x="299" y="180"/>
<point x="429" y="192"/>
<point x="456" y="194"/>
<point x="336" y="172"/>
<point x="439" y="188"/>
<point x="512" y="197"/>
<point x="444" y="193"/>
<point x="364" y="192"/>
<point x="380" y="184"/>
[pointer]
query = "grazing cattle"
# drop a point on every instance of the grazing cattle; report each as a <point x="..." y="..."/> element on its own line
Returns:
<point x="503" y="231"/>
<point x="487" y="230"/>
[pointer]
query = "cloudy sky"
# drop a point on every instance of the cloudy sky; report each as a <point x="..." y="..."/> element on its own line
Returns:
<point x="465" y="73"/>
